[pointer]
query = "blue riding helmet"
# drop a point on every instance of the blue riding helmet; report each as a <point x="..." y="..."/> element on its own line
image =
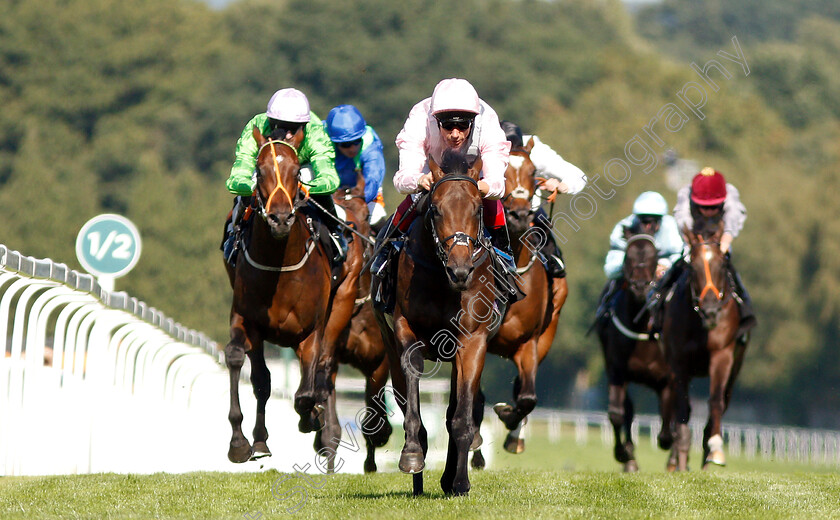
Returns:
<point x="345" y="123"/>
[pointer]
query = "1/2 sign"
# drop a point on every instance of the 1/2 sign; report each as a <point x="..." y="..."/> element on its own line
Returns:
<point x="108" y="245"/>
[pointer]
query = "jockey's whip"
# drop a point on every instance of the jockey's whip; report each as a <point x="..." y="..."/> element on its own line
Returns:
<point x="391" y="231"/>
<point x="340" y="222"/>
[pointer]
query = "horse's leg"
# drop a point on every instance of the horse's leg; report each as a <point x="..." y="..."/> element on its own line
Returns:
<point x="376" y="382"/>
<point x="720" y="367"/>
<point x="665" y="393"/>
<point x="311" y="416"/>
<point x="617" y="395"/>
<point x="527" y="360"/>
<point x="261" y="381"/>
<point x="240" y="449"/>
<point x="683" y="412"/>
<point x="478" y="461"/>
<point x="467" y="368"/>
<point x="413" y="453"/>
<point x="447" y="480"/>
<point x="631" y="466"/>
<point x="328" y="438"/>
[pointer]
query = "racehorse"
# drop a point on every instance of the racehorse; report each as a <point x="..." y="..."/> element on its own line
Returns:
<point x="699" y="333"/>
<point x="529" y="325"/>
<point x="444" y="310"/>
<point x="281" y="293"/>
<point x="631" y="353"/>
<point x="360" y="343"/>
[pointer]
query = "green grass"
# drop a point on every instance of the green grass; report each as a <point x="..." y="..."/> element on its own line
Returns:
<point x="560" y="480"/>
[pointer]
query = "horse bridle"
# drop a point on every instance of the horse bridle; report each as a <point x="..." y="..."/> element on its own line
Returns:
<point x="710" y="285"/>
<point x="636" y="238"/>
<point x="295" y="202"/>
<point x="459" y="237"/>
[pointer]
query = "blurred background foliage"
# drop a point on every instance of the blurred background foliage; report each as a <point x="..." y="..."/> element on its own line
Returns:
<point x="135" y="108"/>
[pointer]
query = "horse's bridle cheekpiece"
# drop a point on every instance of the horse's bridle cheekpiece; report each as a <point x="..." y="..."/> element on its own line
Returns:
<point x="459" y="238"/>
<point x="263" y="206"/>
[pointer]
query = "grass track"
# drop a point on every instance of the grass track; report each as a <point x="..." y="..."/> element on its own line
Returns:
<point x="562" y="480"/>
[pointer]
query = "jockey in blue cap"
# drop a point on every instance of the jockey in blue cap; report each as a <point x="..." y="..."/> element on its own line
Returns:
<point x="358" y="149"/>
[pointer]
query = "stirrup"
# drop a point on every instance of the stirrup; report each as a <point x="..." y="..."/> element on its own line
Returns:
<point x="341" y="246"/>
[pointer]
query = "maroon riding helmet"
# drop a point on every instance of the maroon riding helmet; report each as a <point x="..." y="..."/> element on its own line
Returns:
<point x="708" y="188"/>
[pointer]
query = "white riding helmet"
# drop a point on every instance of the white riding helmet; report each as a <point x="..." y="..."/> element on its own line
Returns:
<point x="650" y="203"/>
<point x="455" y="95"/>
<point x="288" y="104"/>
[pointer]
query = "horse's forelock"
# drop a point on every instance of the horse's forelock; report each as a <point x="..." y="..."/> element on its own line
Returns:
<point x="454" y="162"/>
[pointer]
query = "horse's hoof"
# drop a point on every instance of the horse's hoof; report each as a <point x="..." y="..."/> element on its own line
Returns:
<point x="260" y="450"/>
<point x="665" y="442"/>
<point x="506" y="414"/>
<point x="320" y="416"/>
<point x="715" y="457"/>
<point x="476" y="442"/>
<point x="240" y="454"/>
<point x="631" y="466"/>
<point x="380" y="437"/>
<point x="370" y="466"/>
<point x="478" y="461"/>
<point x="411" y="462"/>
<point x="514" y="445"/>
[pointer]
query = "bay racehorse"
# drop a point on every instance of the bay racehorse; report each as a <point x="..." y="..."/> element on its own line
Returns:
<point x="631" y="353"/>
<point x="699" y="333"/>
<point x="529" y="325"/>
<point x="444" y="311"/>
<point x="360" y="343"/>
<point x="282" y="293"/>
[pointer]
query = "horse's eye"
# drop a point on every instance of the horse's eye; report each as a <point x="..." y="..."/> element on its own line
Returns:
<point x="433" y="210"/>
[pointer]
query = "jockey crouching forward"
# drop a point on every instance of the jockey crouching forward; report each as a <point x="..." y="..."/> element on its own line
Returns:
<point x="650" y="216"/>
<point x="358" y="149"/>
<point x="560" y="176"/>
<point x="453" y="118"/>
<point x="286" y="118"/>
<point x="700" y="207"/>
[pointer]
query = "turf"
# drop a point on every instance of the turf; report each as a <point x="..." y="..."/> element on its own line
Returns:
<point x="549" y="480"/>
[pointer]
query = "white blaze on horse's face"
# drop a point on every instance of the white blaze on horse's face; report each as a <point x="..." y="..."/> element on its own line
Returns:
<point x="516" y="161"/>
<point x="707" y="253"/>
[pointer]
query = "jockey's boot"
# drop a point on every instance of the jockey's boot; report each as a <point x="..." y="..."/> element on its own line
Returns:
<point x="605" y="301"/>
<point x="508" y="285"/>
<point x="230" y="237"/>
<point x="500" y="240"/>
<point x="656" y="300"/>
<point x="551" y="256"/>
<point x="333" y="223"/>
<point x="383" y="283"/>
<point x="748" y="320"/>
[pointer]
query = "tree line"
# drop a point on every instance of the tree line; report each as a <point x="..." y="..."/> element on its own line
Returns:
<point x="135" y="109"/>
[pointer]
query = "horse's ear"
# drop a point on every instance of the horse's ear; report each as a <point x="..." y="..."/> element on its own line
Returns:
<point x="437" y="173"/>
<point x="718" y="231"/>
<point x="627" y="232"/>
<point x="475" y="169"/>
<point x="359" y="188"/>
<point x="529" y="145"/>
<point x="689" y="237"/>
<point x="258" y="137"/>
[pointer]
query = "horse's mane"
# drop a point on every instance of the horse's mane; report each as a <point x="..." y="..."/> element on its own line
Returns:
<point x="454" y="162"/>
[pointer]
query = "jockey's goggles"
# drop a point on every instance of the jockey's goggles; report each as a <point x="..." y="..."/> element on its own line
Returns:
<point x="650" y="219"/>
<point x="457" y="120"/>
<point x="286" y="126"/>
<point x="350" y="144"/>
